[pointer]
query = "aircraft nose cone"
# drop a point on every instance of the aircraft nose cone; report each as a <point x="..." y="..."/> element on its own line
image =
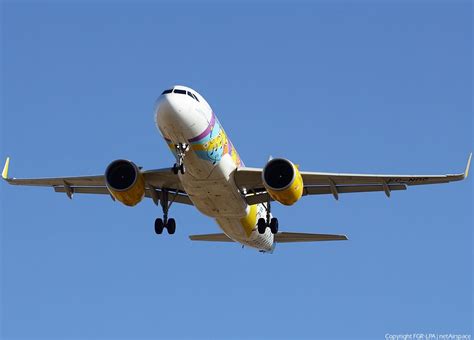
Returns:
<point x="173" y="112"/>
<point x="170" y="104"/>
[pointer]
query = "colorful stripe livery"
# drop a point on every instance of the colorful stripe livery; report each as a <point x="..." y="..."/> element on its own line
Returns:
<point x="212" y="144"/>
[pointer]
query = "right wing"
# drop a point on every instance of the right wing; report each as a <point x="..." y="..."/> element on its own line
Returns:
<point x="249" y="180"/>
<point x="155" y="180"/>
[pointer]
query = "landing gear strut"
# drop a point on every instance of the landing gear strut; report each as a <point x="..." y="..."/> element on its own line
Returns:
<point x="180" y="149"/>
<point x="264" y="223"/>
<point x="165" y="222"/>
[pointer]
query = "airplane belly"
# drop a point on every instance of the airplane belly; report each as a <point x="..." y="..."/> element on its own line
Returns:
<point x="209" y="160"/>
<point x="211" y="188"/>
<point x="213" y="198"/>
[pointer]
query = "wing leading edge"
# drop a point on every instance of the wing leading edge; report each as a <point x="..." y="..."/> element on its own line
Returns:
<point x="317" y="183"/>
<point x="95" y="184"/>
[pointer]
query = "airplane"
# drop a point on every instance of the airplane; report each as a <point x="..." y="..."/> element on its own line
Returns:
<point x="209" y="174"/>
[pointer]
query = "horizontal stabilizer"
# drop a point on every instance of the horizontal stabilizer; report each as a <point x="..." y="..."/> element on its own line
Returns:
<point x="278" y="238"/>
<point x="304" y="237"/>
<point x="211" y="238"/>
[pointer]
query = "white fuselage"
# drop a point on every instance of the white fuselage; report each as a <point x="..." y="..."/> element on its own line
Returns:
<point x="209" y="162"/>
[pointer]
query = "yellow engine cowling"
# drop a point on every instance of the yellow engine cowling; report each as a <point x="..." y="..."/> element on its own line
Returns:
<point x="283" y="181"/>
<point x="125" y="182"/>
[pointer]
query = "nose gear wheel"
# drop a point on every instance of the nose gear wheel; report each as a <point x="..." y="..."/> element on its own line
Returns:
<point x="180" y="149"/>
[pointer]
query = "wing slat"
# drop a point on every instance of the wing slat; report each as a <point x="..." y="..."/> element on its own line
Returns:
<point x="249" y="180"/>
<point x="96" y="180"/>
<point x="154" y="179"/>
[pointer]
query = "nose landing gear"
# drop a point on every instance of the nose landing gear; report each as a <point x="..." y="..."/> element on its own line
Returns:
<point x="264" y="223"/>
<point x="181" y="149"/>
<point x="165" y="222"/>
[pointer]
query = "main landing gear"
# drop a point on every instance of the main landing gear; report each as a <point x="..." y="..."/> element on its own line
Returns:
<point x="264" y="223"/>
<point x="180" y="149"/>
<point x="165" y="222"/>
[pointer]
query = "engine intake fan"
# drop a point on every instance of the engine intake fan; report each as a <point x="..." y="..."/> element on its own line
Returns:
<point x="125" y="182"/>
<point x="283" y="181"/>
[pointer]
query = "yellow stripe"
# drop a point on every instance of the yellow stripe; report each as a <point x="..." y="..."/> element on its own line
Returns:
<point x="199" y="147"/>
<point x="217" y="141"/>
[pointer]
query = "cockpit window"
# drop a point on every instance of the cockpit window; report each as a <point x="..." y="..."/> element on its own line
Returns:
<point x="189" y="93"/>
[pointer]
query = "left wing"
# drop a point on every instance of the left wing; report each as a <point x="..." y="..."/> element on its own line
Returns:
<point x="249" y="180"/>
<point x="154" y="181"/>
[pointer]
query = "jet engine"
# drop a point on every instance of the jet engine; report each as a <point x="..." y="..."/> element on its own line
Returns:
<point x="125" y="182"/>
<point x="283" y="181"/>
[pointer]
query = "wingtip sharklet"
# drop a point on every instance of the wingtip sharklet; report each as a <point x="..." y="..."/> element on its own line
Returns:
<point x="468" y="165"/>
<point x="5" y="169"/>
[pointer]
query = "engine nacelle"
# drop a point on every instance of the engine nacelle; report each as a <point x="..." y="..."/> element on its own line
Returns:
<point x="283" y="181"/>
<point x="125" y="182"/>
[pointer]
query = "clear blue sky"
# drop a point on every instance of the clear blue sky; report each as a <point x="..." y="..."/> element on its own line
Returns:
<point x="378" y="87"/>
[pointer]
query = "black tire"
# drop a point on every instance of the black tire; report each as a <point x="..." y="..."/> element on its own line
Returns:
<point x="261" y="226"/>
<point x="171" y="226"/>
<point x="175" y="169"/>
<point x="159" y="226"/>
<point x="182" y="169"/>
<point x="274" y="226"/>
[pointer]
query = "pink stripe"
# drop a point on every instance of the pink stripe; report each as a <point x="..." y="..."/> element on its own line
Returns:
<point x="205" y="132"/>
